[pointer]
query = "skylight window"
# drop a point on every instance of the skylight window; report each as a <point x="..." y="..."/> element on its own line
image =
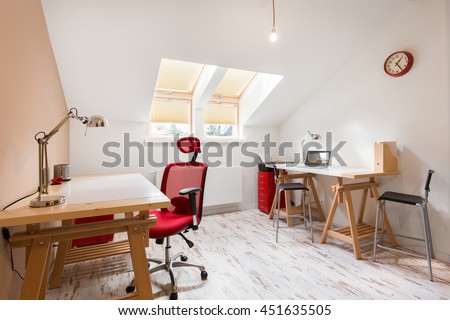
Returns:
<point x="171" y="110"/>
<point x="193" y="98"/>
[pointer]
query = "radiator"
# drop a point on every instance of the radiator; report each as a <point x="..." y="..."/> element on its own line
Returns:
<point x="223" y="186"/>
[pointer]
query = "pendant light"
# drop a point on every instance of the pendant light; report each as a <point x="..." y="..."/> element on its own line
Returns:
<point x="273" y="32"/>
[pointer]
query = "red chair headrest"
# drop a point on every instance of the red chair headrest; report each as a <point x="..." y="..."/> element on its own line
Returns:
<point x="189" y="144"/>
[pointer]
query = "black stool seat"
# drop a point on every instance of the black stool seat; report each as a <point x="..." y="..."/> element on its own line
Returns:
<point x="292" y="186"/>
<point x="402" y="198"/>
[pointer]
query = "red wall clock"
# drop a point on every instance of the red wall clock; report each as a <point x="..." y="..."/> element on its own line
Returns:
<point x="398" y="63"/>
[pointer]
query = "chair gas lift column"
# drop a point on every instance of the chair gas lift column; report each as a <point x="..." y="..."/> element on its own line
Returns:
<point x="407" y="199"/>
<point x="286" y="187"/>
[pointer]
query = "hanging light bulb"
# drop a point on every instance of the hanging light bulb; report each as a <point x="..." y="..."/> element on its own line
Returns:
<point x="273" y="31"/>
<point x="273" y="34"/>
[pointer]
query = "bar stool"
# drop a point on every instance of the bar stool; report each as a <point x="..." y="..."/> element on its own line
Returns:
<point x="409" y="200"/>
<point x="283" y="187"/>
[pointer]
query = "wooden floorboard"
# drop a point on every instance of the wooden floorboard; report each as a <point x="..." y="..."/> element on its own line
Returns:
<point x="243" y="262"/>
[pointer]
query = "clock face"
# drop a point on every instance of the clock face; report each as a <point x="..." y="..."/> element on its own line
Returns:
<point x="398" y="63"/>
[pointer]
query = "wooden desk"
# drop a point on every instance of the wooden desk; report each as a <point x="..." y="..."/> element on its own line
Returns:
<point x="86" y="197"/>
<point x="357" y="229"/>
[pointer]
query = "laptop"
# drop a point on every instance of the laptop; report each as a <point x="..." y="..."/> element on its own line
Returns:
<point x="317" y="159"/>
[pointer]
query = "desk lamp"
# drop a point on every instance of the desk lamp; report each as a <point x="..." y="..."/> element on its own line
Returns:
<point x="312" y="136"/>
<point x="42" y="139"/>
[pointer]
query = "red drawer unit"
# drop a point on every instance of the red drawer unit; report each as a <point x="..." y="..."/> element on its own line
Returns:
<point x="266" y="191"/>
<point x="95" y="239"/>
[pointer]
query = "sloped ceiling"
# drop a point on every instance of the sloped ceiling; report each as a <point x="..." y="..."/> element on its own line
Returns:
<point x="108" y="51"/>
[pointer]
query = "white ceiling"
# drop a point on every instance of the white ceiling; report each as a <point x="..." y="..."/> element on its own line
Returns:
<point x="109" y="51"/>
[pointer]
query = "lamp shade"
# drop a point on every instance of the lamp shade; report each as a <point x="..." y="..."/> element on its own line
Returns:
<point x="97" y="121"/>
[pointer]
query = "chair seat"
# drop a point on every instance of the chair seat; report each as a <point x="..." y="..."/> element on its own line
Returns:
<point x="292" y="186"/>
<point x="402" y="198"/>
<point x="168" y="224"/>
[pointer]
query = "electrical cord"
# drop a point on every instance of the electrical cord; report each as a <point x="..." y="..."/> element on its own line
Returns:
<point x="7" y="235"/>
<point x="14" y="202"/>
<point x="12" y="263"/>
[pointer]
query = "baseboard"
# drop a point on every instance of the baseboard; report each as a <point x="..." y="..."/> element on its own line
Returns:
<point x="231" y="207"/>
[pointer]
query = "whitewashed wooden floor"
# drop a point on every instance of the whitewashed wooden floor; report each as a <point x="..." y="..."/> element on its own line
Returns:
<point x="244" y="262"/>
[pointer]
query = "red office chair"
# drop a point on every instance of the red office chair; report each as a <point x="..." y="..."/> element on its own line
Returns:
<point x="183" y="183"/>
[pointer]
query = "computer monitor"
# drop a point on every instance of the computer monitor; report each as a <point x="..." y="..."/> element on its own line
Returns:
<point x="318" y="158"/>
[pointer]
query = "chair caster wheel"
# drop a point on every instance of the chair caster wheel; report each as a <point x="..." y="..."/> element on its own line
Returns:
<point x="130" y="289"/>
<point x="184" y="258"/>
<point x="174" y="296"/>
<point x="204" y="275"/>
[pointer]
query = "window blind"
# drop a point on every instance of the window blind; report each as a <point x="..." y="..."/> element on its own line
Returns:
<point x="170" y="110"/>
<point x="221" y="114"/>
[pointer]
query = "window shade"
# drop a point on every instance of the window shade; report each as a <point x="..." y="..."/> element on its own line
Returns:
<point x="217" y="114"/>
<point x="170" y="110"/>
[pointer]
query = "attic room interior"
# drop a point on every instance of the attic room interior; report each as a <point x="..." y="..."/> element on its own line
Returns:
<point x="199" y="85"/>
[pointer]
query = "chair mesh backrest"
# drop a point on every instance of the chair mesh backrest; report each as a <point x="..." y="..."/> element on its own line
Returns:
<point x="180" y="175"/>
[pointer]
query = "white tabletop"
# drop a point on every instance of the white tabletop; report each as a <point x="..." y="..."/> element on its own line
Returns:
<point x="335" y="171"/>
<point x="105" y="188"/>
<point x="89" y="196"/>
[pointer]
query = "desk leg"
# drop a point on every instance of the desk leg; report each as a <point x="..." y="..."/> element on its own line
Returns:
<point x="34" y="285"/>
<point x="313" y="191"/>
<point x="353" y="238"/>
<point x="60" y="260"/>
<point x="357" y="229"/>
<point x="139" y="261"/>
<point x="362" y="206"/>
<point x="45" y="276"/>
<point x="330" y="218"/>
<point x="288" y="207"/>
<point x="352" y="224"/>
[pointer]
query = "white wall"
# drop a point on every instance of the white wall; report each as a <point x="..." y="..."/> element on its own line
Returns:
<point x="360" y="104"/>
<point x="31" y="100"/>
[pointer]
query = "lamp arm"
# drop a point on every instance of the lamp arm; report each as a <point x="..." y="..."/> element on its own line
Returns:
<point x="43" y="141"/>
<point x="56" y="129"/>
<point x="73" y="113"/>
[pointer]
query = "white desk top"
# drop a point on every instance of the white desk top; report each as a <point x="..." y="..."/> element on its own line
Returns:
<point x="88" y="196"/>
<point x="105" y="188"/>
<point x="336" y="171"/>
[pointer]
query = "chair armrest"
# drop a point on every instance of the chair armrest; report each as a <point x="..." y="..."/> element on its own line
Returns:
<point x="192" y="192"/>
<point x="189" y="191"/>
